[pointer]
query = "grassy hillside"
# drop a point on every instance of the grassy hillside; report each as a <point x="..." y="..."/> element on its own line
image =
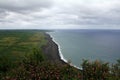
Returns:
<point x="15" y="44"/>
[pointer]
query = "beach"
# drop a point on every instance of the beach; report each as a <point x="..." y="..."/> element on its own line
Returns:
<point x="51" y="50"/>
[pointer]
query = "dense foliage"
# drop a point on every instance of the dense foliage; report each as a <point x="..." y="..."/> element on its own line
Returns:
<point x="35" y="67"/>
<point x="115" y="71"/>
<point x="95" y="70"/>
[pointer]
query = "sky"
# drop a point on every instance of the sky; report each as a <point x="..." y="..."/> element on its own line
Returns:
<point x="59" y="14"/>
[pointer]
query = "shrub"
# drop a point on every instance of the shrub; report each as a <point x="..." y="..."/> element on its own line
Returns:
<point x="115" y="71"/>
<point x="5" y="64"/>
<point x="35" y="57"/>
<point x="95" y="70"/>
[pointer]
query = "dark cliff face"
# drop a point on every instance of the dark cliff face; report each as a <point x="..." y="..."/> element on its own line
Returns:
<point x="51" y="50"/>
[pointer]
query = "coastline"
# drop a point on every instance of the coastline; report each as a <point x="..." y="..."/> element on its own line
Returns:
<point x="51" y="50"/>
<point x="59" y="48"/>
<point x="61" y="57"/>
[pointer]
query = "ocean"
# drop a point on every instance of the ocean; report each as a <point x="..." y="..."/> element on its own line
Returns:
<point x="76" y="45"/>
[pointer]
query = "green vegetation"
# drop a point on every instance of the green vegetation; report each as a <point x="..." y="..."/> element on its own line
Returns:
<point x="95" y="70"/>
<point x="45" y="71"/>
<point x="115" y="71"/>
<point x="35" y="67"/>
<point x="16" y="44"/>
<point x="21" y="58"/>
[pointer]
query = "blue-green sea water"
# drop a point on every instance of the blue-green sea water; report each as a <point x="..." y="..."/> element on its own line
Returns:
<point x="76" y="45"/>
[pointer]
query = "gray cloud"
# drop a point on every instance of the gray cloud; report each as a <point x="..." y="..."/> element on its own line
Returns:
<point x="24" y="5"/>
<point x="59" y="13"/>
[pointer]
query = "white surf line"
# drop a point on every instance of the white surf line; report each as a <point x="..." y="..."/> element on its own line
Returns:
<point x="60" y="53"/>
<point x="59" y="49"/>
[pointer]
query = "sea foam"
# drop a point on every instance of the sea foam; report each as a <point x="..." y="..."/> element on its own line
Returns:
<point x="60" y="52"/>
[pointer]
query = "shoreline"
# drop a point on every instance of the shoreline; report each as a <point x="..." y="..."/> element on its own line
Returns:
<point x="60" y="53"/>
<point x="51" y="50"/>
<point x="59" y="49"/>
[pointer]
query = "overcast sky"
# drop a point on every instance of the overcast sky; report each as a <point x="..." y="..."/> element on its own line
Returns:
<point x="59" y="14"/>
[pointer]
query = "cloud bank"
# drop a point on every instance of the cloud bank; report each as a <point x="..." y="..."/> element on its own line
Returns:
<point x="59" y="14"/>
